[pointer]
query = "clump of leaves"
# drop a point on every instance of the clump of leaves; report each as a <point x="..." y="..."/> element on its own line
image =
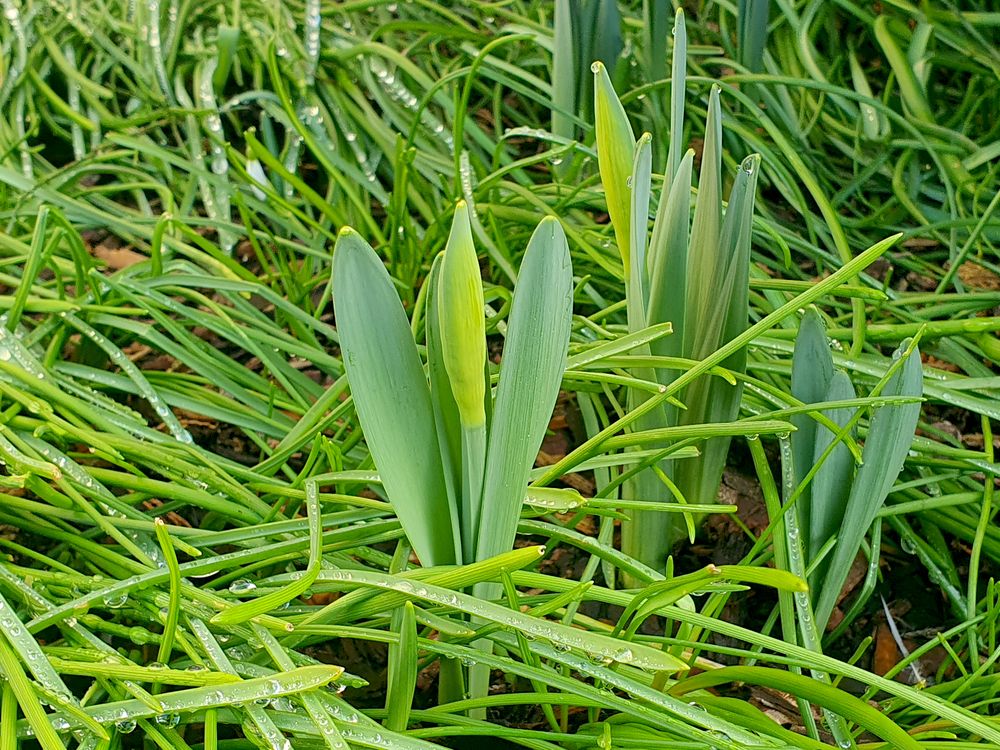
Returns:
<point x="690" y="272"/>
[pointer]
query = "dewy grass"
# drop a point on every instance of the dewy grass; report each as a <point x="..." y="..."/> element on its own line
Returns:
<point x="178" y="593"/>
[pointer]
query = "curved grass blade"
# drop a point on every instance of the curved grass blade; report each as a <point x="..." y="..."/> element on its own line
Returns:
<point x="812" y="690"/>
<point x="271" y="601"/>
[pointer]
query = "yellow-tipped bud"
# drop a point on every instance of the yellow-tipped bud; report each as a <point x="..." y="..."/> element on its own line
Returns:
<point x="462" y="320"/>
<point x="615" y="153"/>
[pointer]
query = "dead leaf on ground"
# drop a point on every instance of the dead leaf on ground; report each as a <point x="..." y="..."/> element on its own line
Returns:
<point x="117" y="258"/>
<point x="978" y="277"/>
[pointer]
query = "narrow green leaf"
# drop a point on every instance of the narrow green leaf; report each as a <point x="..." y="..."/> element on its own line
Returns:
<point x="402" y="671"/>
<point x="678" y="72"/>
<point x="873" y="121"/>
<point x="563" y="72"/>
<point x="668" y="256"/>
<point x="615" y="155"/>
<point x="174" y="602"/>
<point x="446" y="416"/>
<point x="620" y="345"/>
<point x="639" y="191"/>
<point x="812" y="690"/>
<point x="597" y="645"/>
<point x="705" y="249"/>
<point x="359" y="605"/>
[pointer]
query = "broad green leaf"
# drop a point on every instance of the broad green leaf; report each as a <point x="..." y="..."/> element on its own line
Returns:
<point x="615" y="155"/>
<point x="752" y="33"/>
<point x="391" y="396"/>
<point x="534" y="359"/>
<point x="890" y="435"/>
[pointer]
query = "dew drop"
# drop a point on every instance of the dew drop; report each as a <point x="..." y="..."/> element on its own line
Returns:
<point x="116" y="601"/>
<point x="242" y="586"/>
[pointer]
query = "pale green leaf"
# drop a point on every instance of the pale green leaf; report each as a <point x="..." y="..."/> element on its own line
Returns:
<point x="890" y="435"/>
<point x="391" y="396"/>
<point x="615" y="154"/>
<point x="534" y="359"/>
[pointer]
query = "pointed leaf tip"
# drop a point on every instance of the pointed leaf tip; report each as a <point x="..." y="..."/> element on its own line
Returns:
<point x="615" y="142"/>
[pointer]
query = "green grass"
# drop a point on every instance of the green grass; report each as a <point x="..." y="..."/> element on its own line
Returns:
<point x="193" y="532"/>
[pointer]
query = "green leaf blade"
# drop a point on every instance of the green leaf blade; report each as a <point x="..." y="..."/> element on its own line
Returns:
<point x="392" y="397"/>
<point x="533" y="363"/>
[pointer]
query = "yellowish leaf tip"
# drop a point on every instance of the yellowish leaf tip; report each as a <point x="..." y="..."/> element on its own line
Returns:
<point x="597" y="66"/>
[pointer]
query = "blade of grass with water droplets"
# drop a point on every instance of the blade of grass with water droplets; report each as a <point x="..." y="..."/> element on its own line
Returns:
<point x="314" y="706"/>
<point x="361" y="605"/>
<point x="27" y="699"/>
<point x="588" y="642"/>
<point x="255" y="607"/>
